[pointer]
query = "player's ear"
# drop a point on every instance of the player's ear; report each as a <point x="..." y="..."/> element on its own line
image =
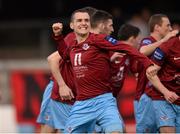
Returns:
<point x="156" y="27"/>
<point x="101" y="25"/>
<point x="131" y="39"/>
<point x="71" y="25"/>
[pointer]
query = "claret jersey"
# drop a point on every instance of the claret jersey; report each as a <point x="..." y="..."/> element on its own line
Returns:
<point x="168" y="57"/>
<point x="91" y="64"/>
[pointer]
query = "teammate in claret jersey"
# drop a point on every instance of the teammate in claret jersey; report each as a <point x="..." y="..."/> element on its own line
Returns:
<point x="161" y="31"/>
<point x="121" y="64"/>
<point x="166" y="90"/>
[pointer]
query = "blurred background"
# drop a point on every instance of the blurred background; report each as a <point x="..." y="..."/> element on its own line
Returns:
<point x="25" y="42"/>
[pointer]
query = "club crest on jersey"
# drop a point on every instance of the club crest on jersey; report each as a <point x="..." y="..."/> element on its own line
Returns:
<point x="111" y="40"/>
<point x="85" y="46"/>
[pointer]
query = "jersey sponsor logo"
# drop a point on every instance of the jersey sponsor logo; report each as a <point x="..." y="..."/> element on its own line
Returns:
<point x="85" y="46"/>
<point x="158" y="54"/>
<point x="111" y="40"/>
<point x="146" y="41"/>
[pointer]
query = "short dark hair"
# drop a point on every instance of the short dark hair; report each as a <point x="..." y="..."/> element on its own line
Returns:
<point x="156" y="19"/>
<point x="82" y="10"/>
<point x="126" y="31"/>
<point x="100" y="16"/>
<point x="90" y="10"/>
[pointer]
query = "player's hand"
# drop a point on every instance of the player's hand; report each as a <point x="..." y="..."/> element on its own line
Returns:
<point x="65" y="92"/>
<point x="116" y="55"/>
<point x="151" y="71"/>
<point x="169" y="35"/>
<point x="170" y="96"/>
<point x="57" y="28"/>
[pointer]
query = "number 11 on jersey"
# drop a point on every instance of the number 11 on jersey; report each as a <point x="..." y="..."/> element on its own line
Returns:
<point x="77" y="59"/>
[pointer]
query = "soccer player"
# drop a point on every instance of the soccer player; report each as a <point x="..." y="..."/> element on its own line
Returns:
<point x="160" y="29"/>
<point x="166" y="86"/>
<point x="121" y="63"/>
<point x="49" y="119"/>
<point x="101" y="23"/>
<point x="89" y="57"/>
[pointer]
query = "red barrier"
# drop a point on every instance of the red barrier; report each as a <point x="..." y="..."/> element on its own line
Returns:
<point x="27" y="90"/>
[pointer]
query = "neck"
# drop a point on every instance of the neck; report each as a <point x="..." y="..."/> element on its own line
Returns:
<point x="156" y="36"/>
<point x="81" y="37"/>
<point x="126" y="42"/>
<point x="95" y="31"/>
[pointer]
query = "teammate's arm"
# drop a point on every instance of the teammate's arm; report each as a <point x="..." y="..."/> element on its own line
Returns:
<point x="53" y="61"/>
<point x="149" y="49"/>
<point x="64" y="91"/>
<point x="168" y="95"/>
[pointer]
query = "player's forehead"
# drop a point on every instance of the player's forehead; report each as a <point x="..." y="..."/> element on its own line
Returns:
<point x="165" y="21"/>
<point x="110" y="21"/>
<point x="81" y="15"/>
<point x="107" y="22"/>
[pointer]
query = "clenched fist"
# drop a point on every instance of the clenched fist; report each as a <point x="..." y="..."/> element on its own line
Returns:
<point x="57" y="28"/>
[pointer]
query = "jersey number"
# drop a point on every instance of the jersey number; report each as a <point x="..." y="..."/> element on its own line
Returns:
<point x="77" y="59"/>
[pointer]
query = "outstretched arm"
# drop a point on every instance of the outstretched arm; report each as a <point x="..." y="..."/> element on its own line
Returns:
<point x="111" y="44"/>
<point x="149" y="49"/>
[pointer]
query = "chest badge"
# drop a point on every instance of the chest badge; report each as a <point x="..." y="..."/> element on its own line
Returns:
<point x="85" y="46"/>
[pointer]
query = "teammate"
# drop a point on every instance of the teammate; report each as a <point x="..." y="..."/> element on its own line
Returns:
<point x="166" y="90"/>
<point x="121" y="63"/>
<point x="160" y="29"/>
<point x="89" y="56"/>
<point x="102" y="23"/>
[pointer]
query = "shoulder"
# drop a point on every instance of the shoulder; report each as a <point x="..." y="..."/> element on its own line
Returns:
<point x="146" y="41"/>
<point x="70" y="35"/>
<point x="97" y="36"/>
<point x="103" y="38"/>
<point x="70" y="38"/>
